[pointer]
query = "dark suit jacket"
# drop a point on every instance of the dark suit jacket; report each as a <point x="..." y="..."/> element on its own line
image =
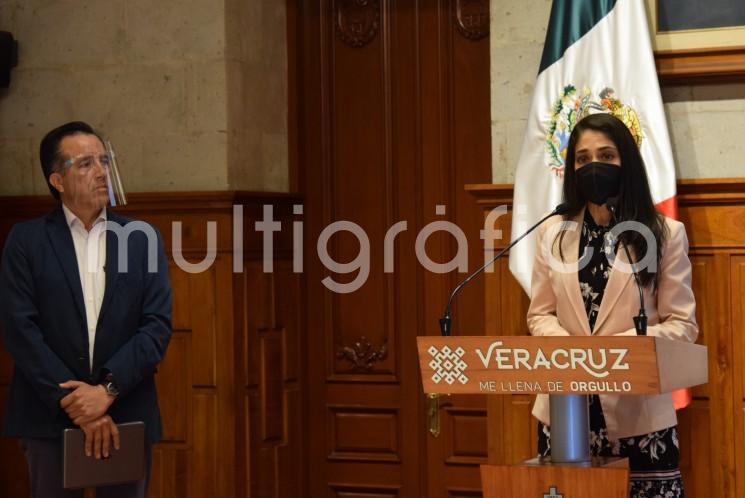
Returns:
<point x="42" y="315"/>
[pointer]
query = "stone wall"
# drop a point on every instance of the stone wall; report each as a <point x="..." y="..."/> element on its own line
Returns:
<point x="705" y="121"/>
<point x="257" y="94"/>
<point x="154" y="76"/>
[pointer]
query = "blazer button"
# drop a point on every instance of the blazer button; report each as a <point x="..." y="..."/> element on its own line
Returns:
<point x="82" y="359"/>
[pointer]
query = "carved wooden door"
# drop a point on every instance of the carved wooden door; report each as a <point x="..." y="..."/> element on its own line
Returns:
<point x="393" y="120"/>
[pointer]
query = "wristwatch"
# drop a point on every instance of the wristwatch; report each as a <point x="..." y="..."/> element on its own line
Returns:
<point x="110" y="385"/>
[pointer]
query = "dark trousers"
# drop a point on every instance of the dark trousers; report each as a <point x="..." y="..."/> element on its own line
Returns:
<point x="44" y="457"/>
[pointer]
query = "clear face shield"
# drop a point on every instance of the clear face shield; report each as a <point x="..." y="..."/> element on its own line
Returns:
<point x="88" y="185"/>
<point x="117" y="196"/>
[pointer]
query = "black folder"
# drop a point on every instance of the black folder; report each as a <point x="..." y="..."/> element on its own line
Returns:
<point x="124" y="465"/>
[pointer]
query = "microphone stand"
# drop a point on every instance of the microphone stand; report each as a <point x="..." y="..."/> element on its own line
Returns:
<point x="446" y="320"/>
<point x="640" y="320"/>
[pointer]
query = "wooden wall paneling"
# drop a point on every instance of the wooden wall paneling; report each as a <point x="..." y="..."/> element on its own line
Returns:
<point x="264" y="389"/>
<point x="712" y="212"/>
<point x="514" y="301"/>
<point x="493" y="318"/>
<point x="462" y="445"/>
<point x="157" y="474"/>
<point x="174" y="383"/>
<point x="209" y="413"/>
<point x="695" y="424"/>
<point x="364" y="434"/>
<point x="313" y="107"/>
<point x="470" y="136"/>
<point x="271" y="387"/>
<point x="519" y="429"/>
<point x="408" y="170"/>
<point x="364" y="347"/>
<point x="344" y="491"/>
<point x="174" y="391"/>
<point x="170" y="476"/>
<point x="228" y="368"/>
<point x="455" y="150"/>
<point x="271" y="379"/>
<point x="291" y="454"/>
<point x="405" y="195"/>
<point x="360" y="81"/>
<point x="203" y="463"/>
<point x="267" y="406"/>
<point x="435" y="83"/>
<point x="738" y="327"/>
<point x="289" y="311"/>
<point x="463" y="493"/>
<point x="361" y="165"/>
<point x="493" y="299"/>
<point x="714" y="400"/>
<point x="469" y="433"/>
<point x="203" y="328"/>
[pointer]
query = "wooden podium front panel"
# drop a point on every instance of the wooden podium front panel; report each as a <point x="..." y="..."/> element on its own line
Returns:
<point x="538" y="365"/>
<point x="559" y="365"/>
<point x="609" y="479"/>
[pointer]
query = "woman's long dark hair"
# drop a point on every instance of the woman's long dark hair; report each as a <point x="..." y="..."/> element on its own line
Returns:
<point x="635" y="198"/>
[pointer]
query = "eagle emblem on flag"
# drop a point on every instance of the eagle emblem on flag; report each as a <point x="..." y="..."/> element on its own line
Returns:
<point x="572" y="106"/>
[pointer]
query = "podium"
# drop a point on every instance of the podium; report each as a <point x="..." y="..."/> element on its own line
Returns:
<point x="567" y="369"/>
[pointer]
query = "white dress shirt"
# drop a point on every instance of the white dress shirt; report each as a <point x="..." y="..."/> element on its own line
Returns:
<point x="90" y="250"/>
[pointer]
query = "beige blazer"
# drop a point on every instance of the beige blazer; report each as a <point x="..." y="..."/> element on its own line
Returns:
<point x="557" y="308"/>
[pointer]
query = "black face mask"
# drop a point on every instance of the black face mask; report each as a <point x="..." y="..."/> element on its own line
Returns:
<point x="598" y="181"/>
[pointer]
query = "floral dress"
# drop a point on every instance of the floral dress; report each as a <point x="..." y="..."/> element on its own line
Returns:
<point x="653" y="458"/>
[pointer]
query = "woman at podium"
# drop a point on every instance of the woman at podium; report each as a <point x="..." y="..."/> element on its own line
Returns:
<point x="579" y="288"/>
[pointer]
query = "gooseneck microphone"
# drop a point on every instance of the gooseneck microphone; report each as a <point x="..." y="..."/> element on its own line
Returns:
<point x="640" y="320"/>
<point x="446" y="320"/>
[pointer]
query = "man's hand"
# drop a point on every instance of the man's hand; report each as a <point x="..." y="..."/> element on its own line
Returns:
<point x="98" y="437"/>
<point x="86" y="402"/>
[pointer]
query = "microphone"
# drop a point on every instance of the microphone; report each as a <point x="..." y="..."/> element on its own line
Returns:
<point x="640" y="320"/>
<point x="446" y="320"/>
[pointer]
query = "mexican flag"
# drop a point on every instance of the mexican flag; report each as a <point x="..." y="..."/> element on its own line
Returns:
<point x="597" y="58"/>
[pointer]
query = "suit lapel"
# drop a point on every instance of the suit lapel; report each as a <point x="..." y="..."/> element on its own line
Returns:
<point x="111" y="266"/>
<point x="569" y="278"/>
<point x="617" y="282"/>
<point x="61" y="240"/>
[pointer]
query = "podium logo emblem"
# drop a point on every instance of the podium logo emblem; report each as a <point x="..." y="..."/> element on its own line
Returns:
<point x="553" y="493"/>
<point x="448" y="365"/>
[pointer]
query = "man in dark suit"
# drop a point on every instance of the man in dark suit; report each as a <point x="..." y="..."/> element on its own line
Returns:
<point x="85" y="309"/>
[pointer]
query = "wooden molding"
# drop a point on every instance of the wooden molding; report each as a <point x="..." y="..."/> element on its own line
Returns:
<point x="361" y="354"/>
<point x="472" y="19"/>
<point x="719" y="191"/>
<point x="158" y="201"/>
<point x="193" y="209"/>
<point x="711" y="191"/>
<point x="487" y="194"/>
<point x="357" y="21"/>
<point x="676" y="67"/>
